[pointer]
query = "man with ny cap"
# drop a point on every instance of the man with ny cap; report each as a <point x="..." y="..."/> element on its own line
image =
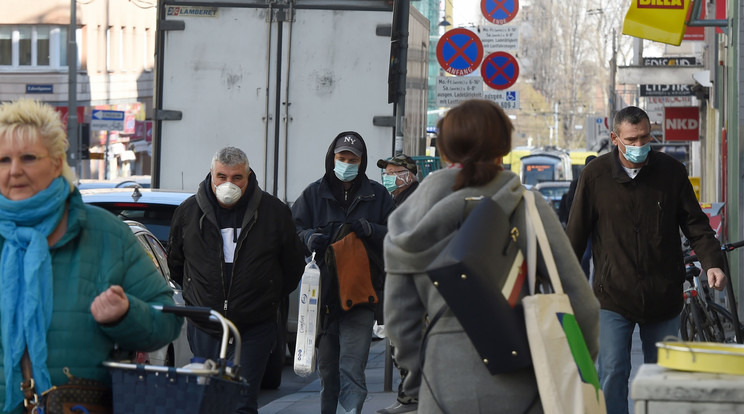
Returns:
<point x="399" y="176"/>
<point x="342" y="202"/>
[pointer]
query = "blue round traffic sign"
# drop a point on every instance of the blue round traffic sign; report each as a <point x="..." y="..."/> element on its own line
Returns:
<point x="500" y="70"/>
<point x="459" y="51"/>
<point x="499" y="11"/>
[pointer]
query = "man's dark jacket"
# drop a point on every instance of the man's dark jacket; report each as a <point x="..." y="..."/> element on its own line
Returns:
<point x="268" y="261"/>
<point x="403" y="195"/>
<point x="318" y="209"/>
<point x="634" y="225"/>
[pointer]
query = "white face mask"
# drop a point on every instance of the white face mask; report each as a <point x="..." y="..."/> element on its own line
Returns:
<point x="228" y="193"/>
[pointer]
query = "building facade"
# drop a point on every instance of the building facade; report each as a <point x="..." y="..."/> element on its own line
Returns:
<point x="115" y="42"/>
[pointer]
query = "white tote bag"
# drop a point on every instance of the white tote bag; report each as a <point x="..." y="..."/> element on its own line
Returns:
<point x="566" y="377"/>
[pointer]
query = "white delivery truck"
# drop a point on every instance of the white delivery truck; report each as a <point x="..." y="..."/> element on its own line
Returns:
<point x="280" y="79"/>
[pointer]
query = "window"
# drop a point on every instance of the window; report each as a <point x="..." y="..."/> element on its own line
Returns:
<point x="30" y="46"/>
<point x="6" y="46"/>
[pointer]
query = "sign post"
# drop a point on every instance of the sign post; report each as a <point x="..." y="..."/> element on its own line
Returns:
<point x="459" y="52"/>
<point x="107" y="120"/>
<point x="500" y="70"/>
<point x="499" y="11"/>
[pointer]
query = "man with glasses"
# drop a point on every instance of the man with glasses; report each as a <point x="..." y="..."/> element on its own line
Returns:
<point x="399" y="176"/>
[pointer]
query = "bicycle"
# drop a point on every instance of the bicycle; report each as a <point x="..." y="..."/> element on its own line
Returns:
<point x="702" y="318"/>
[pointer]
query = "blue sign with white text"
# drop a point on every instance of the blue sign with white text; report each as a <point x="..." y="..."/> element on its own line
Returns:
<point x="107" y="115"/>
<point x="43" y="88"/>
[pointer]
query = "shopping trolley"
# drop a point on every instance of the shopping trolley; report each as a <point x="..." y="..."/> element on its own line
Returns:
<point x="152" y="389"/>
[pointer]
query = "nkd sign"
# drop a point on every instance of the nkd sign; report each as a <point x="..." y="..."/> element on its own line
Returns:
<point x="681" y="123"/>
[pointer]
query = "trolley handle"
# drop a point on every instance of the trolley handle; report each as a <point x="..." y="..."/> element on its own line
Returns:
<point x="197" y="313"/>
<point x="205" y="314"/>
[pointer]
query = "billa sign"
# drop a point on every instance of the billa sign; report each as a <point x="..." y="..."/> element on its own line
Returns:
<point x="658" y="20"/>
<point x="681" y="123"/>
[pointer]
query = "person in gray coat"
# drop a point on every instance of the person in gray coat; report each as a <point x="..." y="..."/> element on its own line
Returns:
<point x="472" y="138"/>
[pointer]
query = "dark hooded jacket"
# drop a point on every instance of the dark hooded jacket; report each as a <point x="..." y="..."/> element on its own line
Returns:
<point x="324" y="206"/>
<point x="634" y="226"/>
<point x="268" y="260"/>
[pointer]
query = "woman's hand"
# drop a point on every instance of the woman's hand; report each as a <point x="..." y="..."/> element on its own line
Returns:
<point x="110" y="306"/>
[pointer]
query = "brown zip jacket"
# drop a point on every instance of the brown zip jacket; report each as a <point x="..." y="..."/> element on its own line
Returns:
<point x="634" y="225"/>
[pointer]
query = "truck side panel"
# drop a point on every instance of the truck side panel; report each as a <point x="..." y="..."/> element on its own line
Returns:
<point x="279" y="90"/>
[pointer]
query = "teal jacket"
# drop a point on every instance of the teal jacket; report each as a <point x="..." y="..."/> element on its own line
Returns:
<point x="97" y="251"/>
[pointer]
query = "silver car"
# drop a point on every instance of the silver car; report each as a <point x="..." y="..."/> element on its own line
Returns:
<point x="177" y="353"/>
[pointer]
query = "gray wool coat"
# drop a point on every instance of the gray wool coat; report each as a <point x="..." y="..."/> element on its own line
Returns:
<point x="455" y="380"/>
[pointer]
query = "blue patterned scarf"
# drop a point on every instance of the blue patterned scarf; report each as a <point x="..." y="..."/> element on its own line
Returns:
<point x="26" y="283"/>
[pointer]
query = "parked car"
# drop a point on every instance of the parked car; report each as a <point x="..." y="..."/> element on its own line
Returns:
<point x="177" y="353"/>
<point x="142" y="181"/>
<point x="154" y="209"/>
<point x="553" y="191"/>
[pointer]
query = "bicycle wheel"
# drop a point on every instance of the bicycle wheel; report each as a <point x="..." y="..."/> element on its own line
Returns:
<point x="692" y="323"/>
<point x="723" y="320"/>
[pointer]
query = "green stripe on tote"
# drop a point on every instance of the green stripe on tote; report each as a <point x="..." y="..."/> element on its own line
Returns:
<point x="579" y="350"/>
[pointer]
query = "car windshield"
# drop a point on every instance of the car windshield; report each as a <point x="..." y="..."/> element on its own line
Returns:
<point x="157" y="218"/>
<point x="553" y="192"/>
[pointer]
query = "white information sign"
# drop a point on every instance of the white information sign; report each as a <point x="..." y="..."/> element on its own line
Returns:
<point x="499" y="38"/>
<point x="107" y="120"/>
<point x="505" y="99"/>
<point x="452" y="90"/>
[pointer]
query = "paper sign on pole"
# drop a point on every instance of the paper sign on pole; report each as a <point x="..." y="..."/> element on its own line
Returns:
<point x="495" y="38"/>
<point x="658" y="20"/>
<point x="452" y="90"/>
<point x="505" y="99"/>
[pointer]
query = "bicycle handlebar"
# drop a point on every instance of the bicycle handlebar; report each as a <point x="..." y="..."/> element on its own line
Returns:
<point x="725" y="247"/>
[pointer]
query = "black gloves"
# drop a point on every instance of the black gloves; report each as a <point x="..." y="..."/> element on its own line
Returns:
<point x="317" y="242"/>
<point x="362" y="228"/>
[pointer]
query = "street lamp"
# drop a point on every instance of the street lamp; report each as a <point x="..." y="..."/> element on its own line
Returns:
<point x="73" y="136"/>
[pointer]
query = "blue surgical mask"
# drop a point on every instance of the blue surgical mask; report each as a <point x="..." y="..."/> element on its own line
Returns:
<point x="346" y="172"/>
<point x="636" y="155"/>
<point x="389" y="182"/>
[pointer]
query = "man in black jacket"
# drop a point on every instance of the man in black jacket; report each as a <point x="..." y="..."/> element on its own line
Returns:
<point x="632" y="202"/>
<point x="233" y="248"/>
<point x="344" y="200"/>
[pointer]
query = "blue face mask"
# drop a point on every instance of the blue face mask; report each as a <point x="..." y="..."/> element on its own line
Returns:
<point x="346" y="172"/>
<point x="389" y="182"/>
<point x="636" y="155"/>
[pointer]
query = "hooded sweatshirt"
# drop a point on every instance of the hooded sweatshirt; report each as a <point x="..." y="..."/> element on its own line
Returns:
<point x="418" y="230"/>
<point x="324" y="206"/>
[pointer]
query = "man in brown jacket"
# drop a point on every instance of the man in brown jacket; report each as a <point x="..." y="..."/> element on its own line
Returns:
<point x="632" y="203"/>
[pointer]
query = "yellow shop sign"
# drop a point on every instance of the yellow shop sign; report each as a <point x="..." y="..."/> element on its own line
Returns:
<point x="658" y="20"/>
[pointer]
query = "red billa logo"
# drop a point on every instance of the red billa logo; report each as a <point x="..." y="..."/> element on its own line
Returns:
<point x="660" y="4"/>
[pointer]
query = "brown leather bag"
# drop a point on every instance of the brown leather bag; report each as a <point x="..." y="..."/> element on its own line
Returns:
<point x="78" y="395"/>
<point x="347" y="259"/>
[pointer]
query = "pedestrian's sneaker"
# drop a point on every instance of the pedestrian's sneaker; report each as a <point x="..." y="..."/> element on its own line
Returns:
<point x="399" y="407"/>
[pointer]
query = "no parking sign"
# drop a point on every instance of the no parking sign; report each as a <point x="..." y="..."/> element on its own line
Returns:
<point x="499" y="11"/>
<point x="459" y="51"/>
<point x="500" y="70"/>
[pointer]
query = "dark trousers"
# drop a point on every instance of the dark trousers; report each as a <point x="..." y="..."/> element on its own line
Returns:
<point x="257" y="342"/>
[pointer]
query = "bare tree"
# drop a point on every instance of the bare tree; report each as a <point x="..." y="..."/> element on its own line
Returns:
<point x="565" y="50"/>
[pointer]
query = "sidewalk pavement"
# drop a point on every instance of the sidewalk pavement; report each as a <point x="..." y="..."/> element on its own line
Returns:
<point x="307" y="399"/>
